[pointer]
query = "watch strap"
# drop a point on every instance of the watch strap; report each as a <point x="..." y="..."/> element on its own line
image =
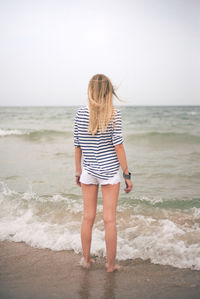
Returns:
<point x="127" y="176"/>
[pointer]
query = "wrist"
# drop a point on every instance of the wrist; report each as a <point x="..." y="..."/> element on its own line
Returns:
<point x="78" y="172"/>
<point x="127" y="176"/>
<point x="126" y="170"/>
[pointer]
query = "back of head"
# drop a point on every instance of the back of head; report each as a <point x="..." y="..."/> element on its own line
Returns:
<point x="100" y="97"/>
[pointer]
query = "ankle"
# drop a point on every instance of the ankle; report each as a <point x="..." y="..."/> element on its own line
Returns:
<point x="110" y="266"/>
<point x="86" y="260"/>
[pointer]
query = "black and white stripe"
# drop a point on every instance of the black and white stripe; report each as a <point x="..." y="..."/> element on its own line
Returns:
<point x="99" y="154"/>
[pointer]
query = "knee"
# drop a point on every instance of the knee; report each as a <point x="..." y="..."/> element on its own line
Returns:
<point x="109" y="219"/>
<point x="89" y="218"/>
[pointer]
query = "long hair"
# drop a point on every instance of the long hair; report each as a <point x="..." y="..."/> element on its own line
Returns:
<point x="100" y="98"/>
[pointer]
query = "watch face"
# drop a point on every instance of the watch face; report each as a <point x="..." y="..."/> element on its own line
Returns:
<point x="127" y="176"/>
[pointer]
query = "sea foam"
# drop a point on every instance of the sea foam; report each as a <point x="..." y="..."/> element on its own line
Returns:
<point x="54" y="222"/>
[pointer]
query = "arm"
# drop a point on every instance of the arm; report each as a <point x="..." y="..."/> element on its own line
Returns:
<point x="120" y="151"/>
<point x="78" y="151"/>
<point x="117" y="140"/>
<point x="78" y="155"/>
<point x="121" y="155"/>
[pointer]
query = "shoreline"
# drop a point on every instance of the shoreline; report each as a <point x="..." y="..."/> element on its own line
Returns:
<point x="28" y="272"/>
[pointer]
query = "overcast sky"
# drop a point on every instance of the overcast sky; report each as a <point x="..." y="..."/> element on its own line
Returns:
<point x="50" y="50"/>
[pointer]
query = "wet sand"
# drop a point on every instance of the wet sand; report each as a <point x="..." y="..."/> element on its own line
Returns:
<point x="27" y="272"/>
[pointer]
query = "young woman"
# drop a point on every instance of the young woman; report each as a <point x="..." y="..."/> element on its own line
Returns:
<point x="98" y="135"/>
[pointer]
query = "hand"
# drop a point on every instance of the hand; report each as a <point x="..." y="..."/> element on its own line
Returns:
<point x="78" y="181"/>
<point x="78" y="174"/>
<point x="129" y="185"/>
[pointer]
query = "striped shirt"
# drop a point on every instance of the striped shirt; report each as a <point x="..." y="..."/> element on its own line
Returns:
<point x="100" y="158"/>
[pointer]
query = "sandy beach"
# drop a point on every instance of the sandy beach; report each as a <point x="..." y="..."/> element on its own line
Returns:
<point x="27" y="272"/>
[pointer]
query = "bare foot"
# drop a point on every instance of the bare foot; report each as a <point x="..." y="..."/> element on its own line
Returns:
<point x="86" y="264"/>
<point x="113" y="268"/>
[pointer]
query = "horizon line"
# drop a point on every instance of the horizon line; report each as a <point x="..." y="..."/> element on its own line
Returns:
<point x="148" y="105"/>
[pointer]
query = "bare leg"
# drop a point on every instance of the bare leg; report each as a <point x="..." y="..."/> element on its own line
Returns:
<point x="89" y="192"/>
<point x="110" y="198"/>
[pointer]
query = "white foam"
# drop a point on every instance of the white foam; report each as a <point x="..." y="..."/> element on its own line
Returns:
<point x="152" y="200"/>
<point x="55" y="223"/>
<point x="196" y="213"/>
<point x="6" y="132"/>
<point x="192" y="112"/>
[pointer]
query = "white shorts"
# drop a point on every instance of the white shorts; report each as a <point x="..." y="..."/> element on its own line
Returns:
<point x="87" y="178"/>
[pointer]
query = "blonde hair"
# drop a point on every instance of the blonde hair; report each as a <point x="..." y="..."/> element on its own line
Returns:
<point x="100" y="98"/>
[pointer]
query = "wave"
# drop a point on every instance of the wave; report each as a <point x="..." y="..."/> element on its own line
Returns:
<point x="193" y="112"/>
<point x="8" y="132"/>
<point x="32" y="135"/>
<point x="156" y="201"/>
<point x="53" y="221"/>
<point x="164" y="136"/>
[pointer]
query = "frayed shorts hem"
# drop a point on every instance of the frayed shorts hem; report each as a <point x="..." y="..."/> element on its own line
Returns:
<point x="87" y="178"/>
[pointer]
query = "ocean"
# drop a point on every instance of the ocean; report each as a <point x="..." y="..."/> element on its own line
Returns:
<point x="41" y="205"/>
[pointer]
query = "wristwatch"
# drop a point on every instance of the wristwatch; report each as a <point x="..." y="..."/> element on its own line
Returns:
<point x="127" y="176"/>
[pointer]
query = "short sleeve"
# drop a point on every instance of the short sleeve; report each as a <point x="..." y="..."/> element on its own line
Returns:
<point x="117" y="137"/>
<point x="76" y="139"/>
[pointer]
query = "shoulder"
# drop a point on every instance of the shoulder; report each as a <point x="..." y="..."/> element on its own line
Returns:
<point x="117" y="110"/>
<point x="83" y="110"/>
<point x="117" y="113"/>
